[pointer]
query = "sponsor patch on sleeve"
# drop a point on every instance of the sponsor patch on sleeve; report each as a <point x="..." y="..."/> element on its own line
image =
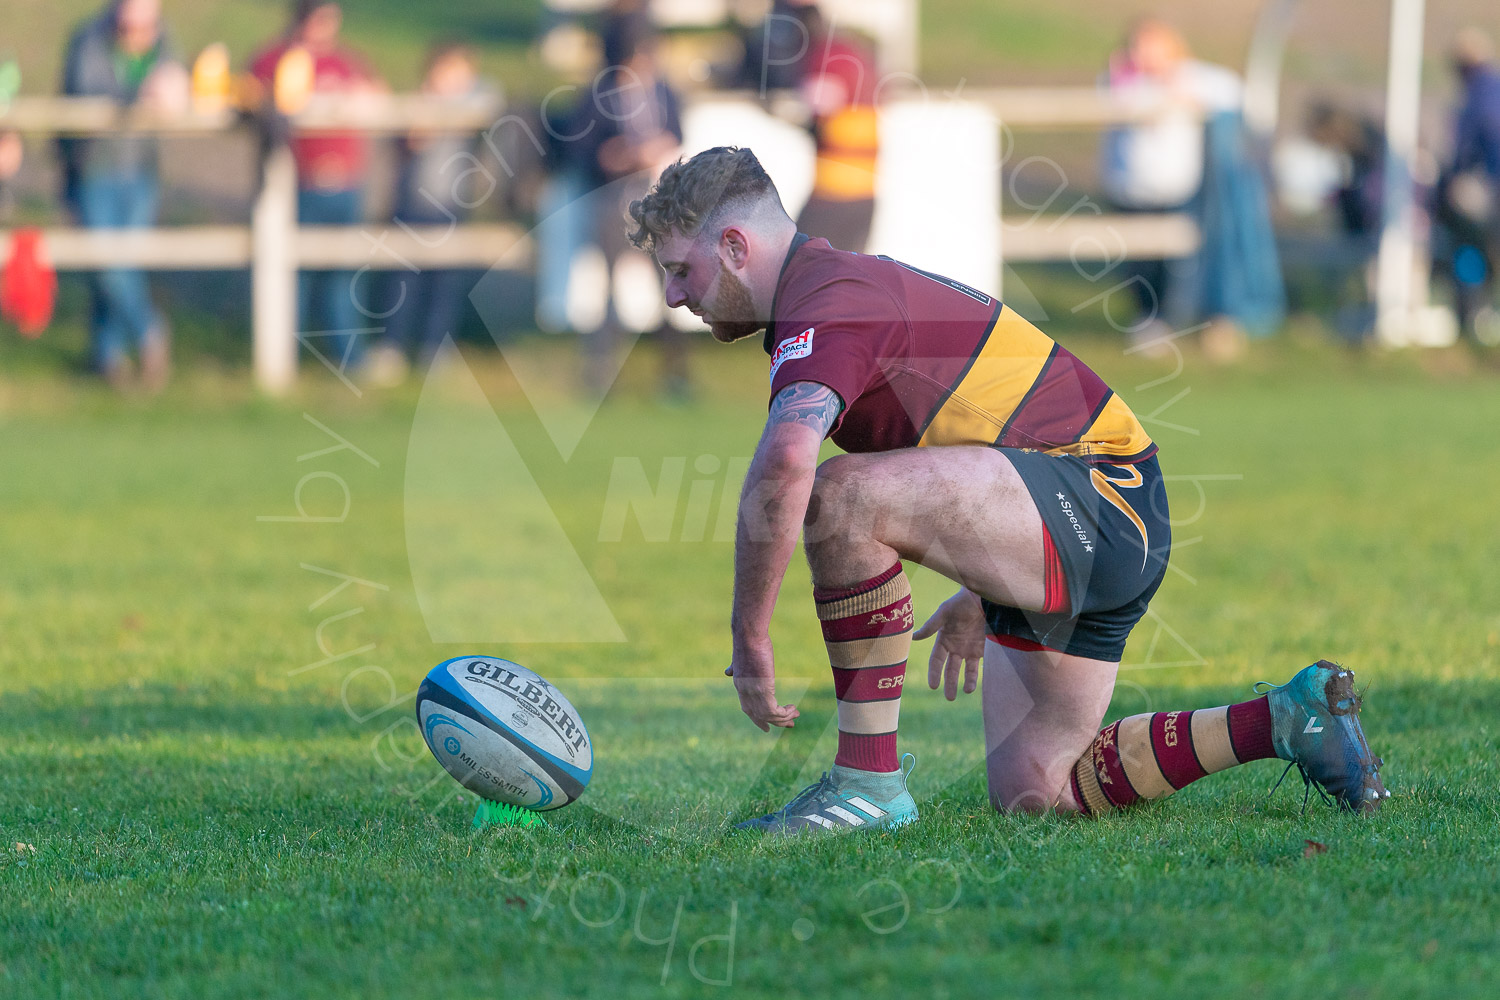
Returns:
<point x="799" y="346"/>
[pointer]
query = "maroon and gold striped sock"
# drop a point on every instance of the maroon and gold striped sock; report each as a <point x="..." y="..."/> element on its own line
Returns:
<point x="868" y="631"/>
<point x="1151" y="756"/>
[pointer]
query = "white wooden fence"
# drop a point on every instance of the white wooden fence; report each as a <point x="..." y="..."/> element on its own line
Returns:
<point x="274" y="247"/>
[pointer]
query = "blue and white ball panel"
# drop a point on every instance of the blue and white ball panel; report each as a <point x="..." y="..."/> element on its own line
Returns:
<point x="485" y="762"/>
<point x="523" y="701"/>
<point x="504" y="732"/>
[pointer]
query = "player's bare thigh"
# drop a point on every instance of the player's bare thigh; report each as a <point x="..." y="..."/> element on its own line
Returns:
<point x="1041" y="711"/>
<point x="962" y="511"/>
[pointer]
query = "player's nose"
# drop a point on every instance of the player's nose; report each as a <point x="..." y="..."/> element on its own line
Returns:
<point x="675" y="294"/>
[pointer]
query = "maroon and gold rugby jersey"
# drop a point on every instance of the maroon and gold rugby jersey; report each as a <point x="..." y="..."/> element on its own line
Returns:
<point x="923" y="360"/>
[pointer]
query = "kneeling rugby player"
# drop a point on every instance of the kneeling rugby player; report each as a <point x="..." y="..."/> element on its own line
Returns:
<point x="979" y="448"/>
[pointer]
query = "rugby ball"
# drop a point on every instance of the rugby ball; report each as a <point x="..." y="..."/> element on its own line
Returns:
<point x="504" y="732"/>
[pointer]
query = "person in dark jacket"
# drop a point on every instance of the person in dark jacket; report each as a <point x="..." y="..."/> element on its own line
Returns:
<point x="1466" y="204"/>
<point x="630" y="128"/>
<point x="112" y="181"/>
<point x="432" y="189"/>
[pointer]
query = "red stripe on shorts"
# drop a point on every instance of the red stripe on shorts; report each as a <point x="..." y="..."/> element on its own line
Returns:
<point x="1056" y="600"/>
<point x="1025" y="645"/>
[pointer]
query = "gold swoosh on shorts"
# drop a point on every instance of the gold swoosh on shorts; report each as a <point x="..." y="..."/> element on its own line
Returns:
<point x="1105" y="487"/>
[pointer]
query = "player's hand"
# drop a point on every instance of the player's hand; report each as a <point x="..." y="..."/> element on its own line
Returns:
<point x="754" y="673"/>
<point x="958" y="624"/>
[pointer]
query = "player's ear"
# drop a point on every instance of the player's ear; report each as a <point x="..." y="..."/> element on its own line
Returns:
<point x="733" y="246"/>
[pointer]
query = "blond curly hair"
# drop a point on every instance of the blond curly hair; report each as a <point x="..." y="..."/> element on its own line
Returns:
<point x="691" y="193"/>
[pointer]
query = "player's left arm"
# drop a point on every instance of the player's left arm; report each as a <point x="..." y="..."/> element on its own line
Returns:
<point x="772" y="505"/>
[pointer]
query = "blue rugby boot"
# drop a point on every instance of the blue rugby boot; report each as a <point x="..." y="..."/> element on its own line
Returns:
<point x="843" y="800"/>
<point x="1315" y="725"/>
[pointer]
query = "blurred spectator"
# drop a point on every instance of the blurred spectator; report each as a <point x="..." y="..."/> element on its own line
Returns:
<point x="331" y="167"/>
<point x="1234" y="280"/>
<point x="1156" y="165"/>
<point x="839" y="83"/>
<point x="565" y="226"/>
<point x="625" y="23"/>
<point x="1468" y="189"/>
<point x="776" y="50"/>
<point x="12" y="151"/>
<point x="431" y="190"/>
<point x="629" y="129"/>
<point x="28" y="283"/>
<point x="1477" y="143"/>
<point x="111" y="181"/>
<point x="1360" y="141"/>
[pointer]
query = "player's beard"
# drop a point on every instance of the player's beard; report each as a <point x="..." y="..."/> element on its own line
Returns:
<point x="734" y="310"/>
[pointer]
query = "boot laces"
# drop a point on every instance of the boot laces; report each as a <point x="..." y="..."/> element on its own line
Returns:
<point x="809" y="794"/>
<point x="1308" y="785"/>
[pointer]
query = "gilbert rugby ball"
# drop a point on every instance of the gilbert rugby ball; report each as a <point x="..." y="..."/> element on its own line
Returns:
<point x="504" y="732"/>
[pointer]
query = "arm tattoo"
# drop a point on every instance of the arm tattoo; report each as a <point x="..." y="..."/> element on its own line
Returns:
<point x="809" y="403"/>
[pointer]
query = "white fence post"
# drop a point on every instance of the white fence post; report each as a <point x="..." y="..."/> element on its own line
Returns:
<point x="273" y="273"/>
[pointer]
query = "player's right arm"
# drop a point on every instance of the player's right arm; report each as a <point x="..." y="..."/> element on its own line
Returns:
<point x="772" y="505"/>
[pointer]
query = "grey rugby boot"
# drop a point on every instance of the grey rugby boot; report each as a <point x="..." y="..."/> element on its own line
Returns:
<point x="1315" y="725"/>
<point x="841" y="801"/>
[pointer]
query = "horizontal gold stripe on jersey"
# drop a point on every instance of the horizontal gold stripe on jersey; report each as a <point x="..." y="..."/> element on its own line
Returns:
<point x="1116" y="431"/>
<point x="980" y="405"/>
<point x="997" y="383"/>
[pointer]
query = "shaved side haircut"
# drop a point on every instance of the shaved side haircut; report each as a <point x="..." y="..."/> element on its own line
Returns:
<point x="691" y="195"/>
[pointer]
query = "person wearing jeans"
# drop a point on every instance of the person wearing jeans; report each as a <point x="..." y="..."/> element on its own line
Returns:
<point x="110" y="182"/>
<point x="425" y="306"/>
<point x="331" y="168"/>
<point x="123" y="314"/>
<point x="325" y="299"/>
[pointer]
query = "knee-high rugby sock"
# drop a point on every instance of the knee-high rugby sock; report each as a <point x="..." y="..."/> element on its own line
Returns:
<point x="868" y="631"/>
<point x="1151" y="756"/>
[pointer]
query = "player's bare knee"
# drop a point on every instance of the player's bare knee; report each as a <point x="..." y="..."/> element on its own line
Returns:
<point x="1022" y="784"/>
<point x="1024" y="797"/>
<point x="839" y="475"/>
<point x="1030" y="801"/>
<point x="836" y="505"/>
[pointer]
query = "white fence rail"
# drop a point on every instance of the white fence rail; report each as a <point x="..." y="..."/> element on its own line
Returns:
<point x="274" y="247"/>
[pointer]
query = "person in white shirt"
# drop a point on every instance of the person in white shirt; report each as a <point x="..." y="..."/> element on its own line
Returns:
<point x="1156" y="164"/>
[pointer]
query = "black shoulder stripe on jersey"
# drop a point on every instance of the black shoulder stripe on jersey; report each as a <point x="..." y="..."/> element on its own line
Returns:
<point x="1041" y="376"/>
<point x="1088" y="424"/>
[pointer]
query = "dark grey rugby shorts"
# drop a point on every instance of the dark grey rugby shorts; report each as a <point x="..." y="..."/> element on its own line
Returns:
<point x="1110" y="530"/>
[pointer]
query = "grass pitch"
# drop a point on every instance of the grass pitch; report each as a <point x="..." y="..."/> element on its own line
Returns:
<point x="207" y="759"/>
